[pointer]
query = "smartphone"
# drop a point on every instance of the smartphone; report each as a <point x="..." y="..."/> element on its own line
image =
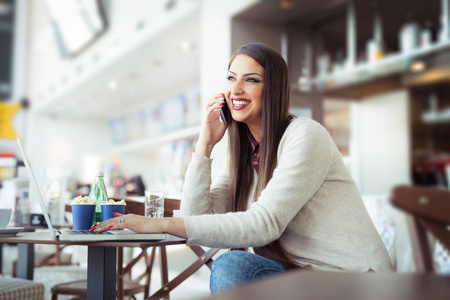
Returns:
<point x="225" y="114"/>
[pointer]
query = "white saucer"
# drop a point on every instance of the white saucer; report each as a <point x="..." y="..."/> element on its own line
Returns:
<point x="10" y="231"/>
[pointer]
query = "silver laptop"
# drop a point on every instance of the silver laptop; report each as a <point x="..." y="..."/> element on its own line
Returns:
<point x="85" y="235"/>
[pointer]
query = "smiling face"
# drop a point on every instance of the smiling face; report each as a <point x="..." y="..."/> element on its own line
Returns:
<point x="244" y="91"/>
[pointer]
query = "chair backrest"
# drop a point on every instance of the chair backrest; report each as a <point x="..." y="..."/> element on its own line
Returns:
<point x="138" y="207"/>
<point x="170" y="205"/>
<point x="134" y="207"/>
<point x="427" y="210"/>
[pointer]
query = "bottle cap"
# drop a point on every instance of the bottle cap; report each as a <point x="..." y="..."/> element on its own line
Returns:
<point x="101" y="174"/>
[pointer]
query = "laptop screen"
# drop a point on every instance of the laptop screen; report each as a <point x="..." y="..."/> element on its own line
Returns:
<point x="36" y="187"/>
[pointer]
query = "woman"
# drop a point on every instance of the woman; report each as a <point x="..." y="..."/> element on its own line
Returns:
<point x="285" y="191"/>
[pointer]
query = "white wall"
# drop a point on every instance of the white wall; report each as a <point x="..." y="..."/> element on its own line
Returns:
<point x="216" y="52"/>
<point x="64" y="143"/>
<point x="380" y="142"/>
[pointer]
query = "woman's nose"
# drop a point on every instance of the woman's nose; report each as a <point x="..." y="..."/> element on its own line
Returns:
<point x="236" y="88"/>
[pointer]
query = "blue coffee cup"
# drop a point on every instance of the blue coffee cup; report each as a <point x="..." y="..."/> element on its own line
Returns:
<point x="83" y="216"/>
<point x="108" y="210"/>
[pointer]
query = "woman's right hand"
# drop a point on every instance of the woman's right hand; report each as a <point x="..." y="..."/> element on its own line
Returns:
<point x="212" y="129"/>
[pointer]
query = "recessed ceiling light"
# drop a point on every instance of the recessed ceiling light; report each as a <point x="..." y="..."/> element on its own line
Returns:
<point x="112" y="85"/>
<point x="186" y="46"/>
<point x="417" y="66"/>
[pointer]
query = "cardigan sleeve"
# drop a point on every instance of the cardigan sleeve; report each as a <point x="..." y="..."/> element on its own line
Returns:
<point x="199" y="196"/>
<point x="305" y="155"/>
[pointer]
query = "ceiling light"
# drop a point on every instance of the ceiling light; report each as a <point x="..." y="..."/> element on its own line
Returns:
<point x="112" y="85"/>
<point x="186" y="46"/>
<point x="417" y="66"/>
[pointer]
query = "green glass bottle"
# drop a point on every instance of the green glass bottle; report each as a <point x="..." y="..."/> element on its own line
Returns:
<point x="99" y="194"/>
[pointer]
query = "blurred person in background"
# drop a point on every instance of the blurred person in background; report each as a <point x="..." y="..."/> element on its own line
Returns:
<point x="135" y="186"/>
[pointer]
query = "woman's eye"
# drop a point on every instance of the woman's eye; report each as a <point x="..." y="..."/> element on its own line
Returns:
<point x="253" y="80"/>
<point x="230" y="78"/>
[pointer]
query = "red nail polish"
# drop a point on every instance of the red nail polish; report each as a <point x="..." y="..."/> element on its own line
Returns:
<point x="114" y="214"/>
<point x="221" y="105"/>
<point x="110" y="227"/>
<point x="92" y="229"/>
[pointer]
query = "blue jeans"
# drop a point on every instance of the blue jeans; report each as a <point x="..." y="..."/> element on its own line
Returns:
<point x="236" y="267"/>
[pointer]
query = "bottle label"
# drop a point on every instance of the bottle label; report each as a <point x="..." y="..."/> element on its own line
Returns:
<point x="98" y="217"/>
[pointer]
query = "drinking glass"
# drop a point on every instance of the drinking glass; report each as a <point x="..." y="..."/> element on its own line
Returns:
<point x="154" y="204"/>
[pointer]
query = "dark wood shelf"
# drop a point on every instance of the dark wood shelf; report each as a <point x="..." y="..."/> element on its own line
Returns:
<point x="364" y="89"/>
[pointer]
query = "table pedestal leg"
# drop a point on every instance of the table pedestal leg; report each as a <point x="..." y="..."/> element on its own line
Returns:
<point x="164" y="271"/>
<point x="101" y="277"/>
<point x="25" y="263"/>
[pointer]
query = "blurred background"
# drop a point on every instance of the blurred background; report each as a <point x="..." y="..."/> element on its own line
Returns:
<point x="120" y="86"/>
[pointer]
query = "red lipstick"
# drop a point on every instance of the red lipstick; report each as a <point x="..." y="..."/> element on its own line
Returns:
<point x="239" y="103"/>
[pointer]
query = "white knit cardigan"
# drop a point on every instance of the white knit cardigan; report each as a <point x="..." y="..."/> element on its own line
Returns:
<point x="311" y="204"/>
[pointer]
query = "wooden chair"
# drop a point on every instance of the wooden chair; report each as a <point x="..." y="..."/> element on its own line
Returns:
<point x="428" y="210"/>
<point x="204" y="258"/>
<point x="56" y="258"/>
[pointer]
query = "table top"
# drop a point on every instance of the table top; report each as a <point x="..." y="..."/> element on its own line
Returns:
<point x="301" y="284"/>
<point x="44" y="237"/>
<point x="33" y="228"/>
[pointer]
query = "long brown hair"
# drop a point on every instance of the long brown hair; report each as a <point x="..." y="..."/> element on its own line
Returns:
<point x="275" y="111"/>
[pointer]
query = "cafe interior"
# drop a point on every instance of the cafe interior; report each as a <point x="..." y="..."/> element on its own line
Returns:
<point x="119" y="87"/>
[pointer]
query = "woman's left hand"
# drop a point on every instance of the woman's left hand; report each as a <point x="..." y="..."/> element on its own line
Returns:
<point x="137" y="223"/>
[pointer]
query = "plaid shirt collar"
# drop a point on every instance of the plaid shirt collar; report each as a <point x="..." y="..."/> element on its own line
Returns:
<point x="256" y="148"/>
<point x="256" y="153"/>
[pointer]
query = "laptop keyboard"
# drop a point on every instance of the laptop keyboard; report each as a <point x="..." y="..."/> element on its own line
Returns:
<point x="86" y="232"/>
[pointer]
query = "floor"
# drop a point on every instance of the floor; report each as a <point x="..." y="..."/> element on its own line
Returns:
<point x="179" y="257"/>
